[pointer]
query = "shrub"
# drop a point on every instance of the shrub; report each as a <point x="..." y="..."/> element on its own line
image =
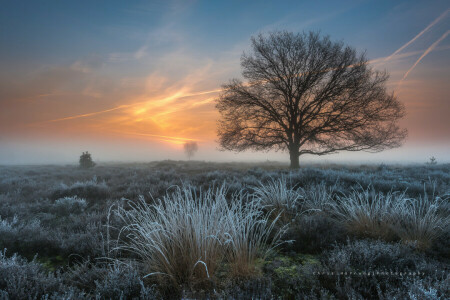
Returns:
<point x="90" y="190"/>
<point x="20" y="279"/>
<point x="373" y="255"/>
<point x="249" y="288"/>
<point x="26" y="237"/>
<point x="84" y="274"/>
<point x="86" y="161"/>
<point x="313" y="233"/>
<point x="439" y="288"/>
<point x="67" y="205"/>
<point x="397" y="264"/>
<point x="122" y="281"/>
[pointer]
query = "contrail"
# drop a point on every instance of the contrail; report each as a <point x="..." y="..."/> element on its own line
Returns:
<point x="125" y="106"/>
<point x="382" y="60"/>
<point x="425" y="53"/>
<point x="89" y="114"/>
<point x="419" y="34"/>
<point x="164" y="137"/>
<point x="203" y="93"/>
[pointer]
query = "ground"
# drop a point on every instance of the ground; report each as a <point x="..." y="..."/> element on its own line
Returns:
<point x="57" y="231"/>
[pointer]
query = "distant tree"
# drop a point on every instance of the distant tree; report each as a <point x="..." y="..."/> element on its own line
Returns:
<point x="86" y="161"/>
<point x="190" y="148"/>
<point x="432" y="161"/>
<point x="307" y="95"/>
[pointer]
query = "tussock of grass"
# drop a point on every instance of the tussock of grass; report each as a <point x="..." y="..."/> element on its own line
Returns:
<point x="421" y="220"/>
<point x="184" y="235"/>
<point x="393" y="215"/>
<point x="369" y="214"/>
<point x="318" y="197"/>
<point x="250" y="235"/>
<point x="277" y="196"/>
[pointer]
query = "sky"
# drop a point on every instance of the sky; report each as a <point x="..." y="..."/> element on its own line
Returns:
<point x="135" y="80"/>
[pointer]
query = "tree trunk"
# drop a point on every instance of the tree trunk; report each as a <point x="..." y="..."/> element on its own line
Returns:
<point x="294" y="155"/>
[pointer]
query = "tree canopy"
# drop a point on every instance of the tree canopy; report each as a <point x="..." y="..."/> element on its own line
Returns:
<point x="306" y="94"/>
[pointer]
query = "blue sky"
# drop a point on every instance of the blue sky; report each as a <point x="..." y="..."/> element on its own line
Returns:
<point x="48" y="31"/>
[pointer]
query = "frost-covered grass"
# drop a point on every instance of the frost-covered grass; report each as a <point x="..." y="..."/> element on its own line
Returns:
<point x="423" y="220"/>
<point x="277" y="196"/>
<point x="368" y="213"/>
<point x="319" y="197"/>
<point x="393" y="215"/>
<point x="213" y="233"/>
<point x="187" y="233"/>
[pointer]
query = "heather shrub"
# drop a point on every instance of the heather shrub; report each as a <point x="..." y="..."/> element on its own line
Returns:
<point x="440" y="246"/>
<point x="248" y="288"/>
<point x="374" y="255"/>
<point x="85" y="274"/>
<point x="437" y="288"/>
<point x="122" y="281"/>
<point x="20" y="279"/>
<point x="90" y="190"/>
<point x="68" y="205"/>
<point x="26" y="237"/>
<point x="400" y="268"/>
<point x="314" y="233"/>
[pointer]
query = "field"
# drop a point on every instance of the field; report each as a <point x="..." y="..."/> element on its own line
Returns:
<point x="224" y="230"/>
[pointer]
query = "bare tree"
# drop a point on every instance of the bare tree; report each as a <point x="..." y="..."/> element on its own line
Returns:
<point x="307" y="95"/>
<point x="190" y="148"/>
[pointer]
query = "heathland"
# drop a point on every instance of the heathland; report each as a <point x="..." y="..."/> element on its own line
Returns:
<point x="224" y="230"/>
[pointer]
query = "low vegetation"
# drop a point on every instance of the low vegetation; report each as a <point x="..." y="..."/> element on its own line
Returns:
<point x="203" y="230"/>
<point x="187" y="233"/>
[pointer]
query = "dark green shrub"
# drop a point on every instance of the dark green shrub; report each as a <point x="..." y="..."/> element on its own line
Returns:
<point x="86" y="161"/>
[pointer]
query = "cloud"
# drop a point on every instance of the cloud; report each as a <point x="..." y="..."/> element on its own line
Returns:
<point x="88" y="64"/>
<point x="26" y="87"/>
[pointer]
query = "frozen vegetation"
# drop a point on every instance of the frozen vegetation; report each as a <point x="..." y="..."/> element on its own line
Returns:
<point x="168" y="230"/>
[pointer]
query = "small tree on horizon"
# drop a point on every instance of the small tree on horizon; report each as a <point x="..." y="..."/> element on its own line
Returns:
<point x="86" y="160"/>
<point x="190" y="148"/>
<point x="432" y="161"/>
<point x="306" y="94"/>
